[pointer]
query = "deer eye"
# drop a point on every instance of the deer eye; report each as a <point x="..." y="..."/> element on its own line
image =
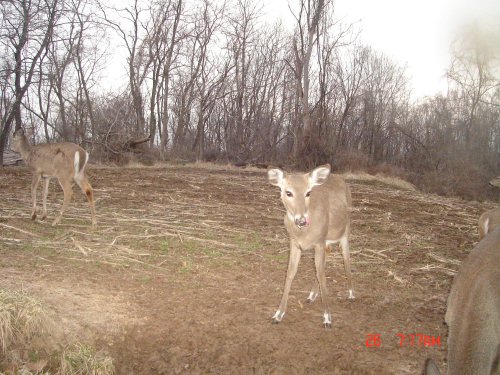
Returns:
<point x="308" y="194"/>
<point x="289" y="194"/>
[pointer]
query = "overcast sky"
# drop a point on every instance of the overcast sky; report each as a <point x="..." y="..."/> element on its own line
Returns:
<point x="413" y="33"/>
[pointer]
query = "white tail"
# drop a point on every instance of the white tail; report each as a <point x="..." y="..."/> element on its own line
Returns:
<point x="60" y="160"/>
<point x="488" y="221"/>
<point x="317" y="215"/>
<point x="473" y="313"/>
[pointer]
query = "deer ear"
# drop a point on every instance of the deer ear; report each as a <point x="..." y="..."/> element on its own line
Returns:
<point x="319" y="175"/>
<point x="275" y="176"/>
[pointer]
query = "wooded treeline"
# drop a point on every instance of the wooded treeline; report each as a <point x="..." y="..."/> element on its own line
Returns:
<point x="214" y="81"/>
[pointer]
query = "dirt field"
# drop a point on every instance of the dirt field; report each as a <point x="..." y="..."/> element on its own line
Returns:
<point x="187" y="264"/>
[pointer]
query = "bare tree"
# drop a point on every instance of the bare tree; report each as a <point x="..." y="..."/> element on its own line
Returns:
<point x="241" y="39"/>
<point x="472" y="77"/>
<point x="171" y="40"/>
<point x="210" y="81"/>
<point x="28" y="31"/>
<point x="132" y="29"/>
<point x="88" y="56"/>
<point x="307" y="19"/>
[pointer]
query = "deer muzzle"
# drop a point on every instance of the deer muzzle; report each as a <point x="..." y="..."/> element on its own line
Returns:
<point x="302" y="221"/>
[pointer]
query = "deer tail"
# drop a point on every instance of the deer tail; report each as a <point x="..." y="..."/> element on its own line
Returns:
<point x="81" y="159"/>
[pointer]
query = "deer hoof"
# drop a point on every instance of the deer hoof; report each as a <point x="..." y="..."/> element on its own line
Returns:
<point x="312" y="297"/>
<point x="327" y="320"/>
<point x="277" y="317"/>
<point x="351" y="295"/>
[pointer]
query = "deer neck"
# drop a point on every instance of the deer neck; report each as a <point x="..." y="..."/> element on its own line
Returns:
<point x="25" y="150"/>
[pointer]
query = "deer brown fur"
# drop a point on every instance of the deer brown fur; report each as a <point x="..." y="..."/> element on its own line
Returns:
<point x="473" y="313"/>
<point x="65" y="161"/>
<point x="317" y="215"/>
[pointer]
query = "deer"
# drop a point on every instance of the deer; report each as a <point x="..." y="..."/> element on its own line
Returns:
<point x="65" y="161"/>
<point x="473" y="313"/>
<point x="317" y="215"/>
<point x="488" y="221"/>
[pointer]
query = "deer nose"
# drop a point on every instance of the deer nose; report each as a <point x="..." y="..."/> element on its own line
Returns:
<point x="301" y="221"/>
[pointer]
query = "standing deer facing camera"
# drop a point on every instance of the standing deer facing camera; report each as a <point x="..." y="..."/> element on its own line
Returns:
<point x="473" y="313"/>
<point x="317" y="215"/>
<point x="64" y="161"/>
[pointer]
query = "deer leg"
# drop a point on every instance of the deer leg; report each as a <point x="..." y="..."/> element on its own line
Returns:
<point x="46" y="182"/>
<point x="293" y="263"/>
<point x="313" y="294"/>
<point x="84" y="184"/>
<point x="68" y="193"/>
<point x="344" y="245"/>
<point x="34" y="185"/>
<point x="320" y="262"/>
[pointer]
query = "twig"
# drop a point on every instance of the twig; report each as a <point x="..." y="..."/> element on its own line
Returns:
<point x="79" y="247"/>
<point x="429" y="267"/>
<point x="20" y="230"/>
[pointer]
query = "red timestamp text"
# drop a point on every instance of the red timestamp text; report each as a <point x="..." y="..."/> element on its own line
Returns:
<point x="374" y="340"/>
<point x="418" y="340"/>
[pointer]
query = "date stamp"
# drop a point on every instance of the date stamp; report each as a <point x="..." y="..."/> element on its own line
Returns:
<point x="418" y="340"/>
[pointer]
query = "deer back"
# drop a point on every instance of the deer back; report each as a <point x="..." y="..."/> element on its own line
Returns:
<point x="473" y="313"/>
<point x="58" y="159"/>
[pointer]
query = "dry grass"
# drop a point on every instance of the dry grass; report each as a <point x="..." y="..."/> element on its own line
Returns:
<point x="80" y="359"/>
<point x="21" y="318"/>
<point x="388" y="180"/>
<point x="26" y="372"/>
<point x="196" y="223"/>
<point x="173" y="219"/>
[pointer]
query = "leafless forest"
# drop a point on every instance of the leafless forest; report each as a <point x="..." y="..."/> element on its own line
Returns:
<point x="219" y="82"/>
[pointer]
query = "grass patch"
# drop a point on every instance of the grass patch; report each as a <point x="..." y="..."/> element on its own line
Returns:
<point x="390" y="181"/>
<point x="186" y="266"/>
<point x="277" y="256"/>
<point x="79" y="359"/>
<point x="165" y="247"/>
<point x="191" y="246"/>
<point x="26" y="372"/>
<point x="21" y="318"/>
<point x="250" y="242"/>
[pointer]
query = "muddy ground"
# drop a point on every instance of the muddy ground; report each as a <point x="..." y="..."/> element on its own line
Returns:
<point x="187" y="264"/>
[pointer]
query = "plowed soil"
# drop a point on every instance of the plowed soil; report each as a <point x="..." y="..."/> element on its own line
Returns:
<point x="187" y="264"/>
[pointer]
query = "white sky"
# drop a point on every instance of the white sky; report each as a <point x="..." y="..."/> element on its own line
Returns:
<point x="413" y="33"/>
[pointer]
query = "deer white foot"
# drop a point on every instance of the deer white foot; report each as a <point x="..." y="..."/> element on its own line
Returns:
<point x="277" y="317"/>
<point x="312" y="296"/>
<point x="327" y="320"/>
<point x="351" y="295"/>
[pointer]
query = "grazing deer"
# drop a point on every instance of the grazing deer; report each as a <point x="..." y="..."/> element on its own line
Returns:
<point x="65" y="161"/>
<point x="488" y="221"/>
<point x="317" y="215"/>
<point x="473" y="314"/>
